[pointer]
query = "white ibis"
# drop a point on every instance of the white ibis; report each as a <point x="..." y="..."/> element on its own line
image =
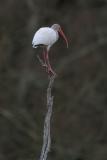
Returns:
<point x="45" y="37"/>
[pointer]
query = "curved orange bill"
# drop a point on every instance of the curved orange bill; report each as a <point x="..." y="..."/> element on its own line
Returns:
<point x="64" y="37"/>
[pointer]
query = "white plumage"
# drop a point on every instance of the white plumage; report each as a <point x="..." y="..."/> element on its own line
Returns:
<point x="45" y="36"/>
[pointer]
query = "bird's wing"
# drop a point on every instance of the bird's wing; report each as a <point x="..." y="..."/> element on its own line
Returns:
<point x="45" y="36"/>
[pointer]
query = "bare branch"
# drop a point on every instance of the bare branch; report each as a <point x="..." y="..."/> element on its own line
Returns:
<point x="47" y="136"/>
<point x="40" y="60"/>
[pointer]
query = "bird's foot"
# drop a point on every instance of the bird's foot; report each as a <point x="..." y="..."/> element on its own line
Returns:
<point x="51" y="72"/>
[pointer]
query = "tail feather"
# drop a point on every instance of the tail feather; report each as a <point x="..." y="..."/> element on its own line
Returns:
<point x="37" y="45"/>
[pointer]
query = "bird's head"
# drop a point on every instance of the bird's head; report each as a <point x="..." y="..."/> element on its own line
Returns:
<point x="57" y="28"/>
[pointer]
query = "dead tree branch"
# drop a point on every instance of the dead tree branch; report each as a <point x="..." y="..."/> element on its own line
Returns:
<point x="46" y="133"/>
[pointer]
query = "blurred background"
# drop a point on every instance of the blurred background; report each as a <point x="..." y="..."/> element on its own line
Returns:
<point x="79" y="121"/>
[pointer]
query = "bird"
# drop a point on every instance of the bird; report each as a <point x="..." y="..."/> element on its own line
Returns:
<point x="45" y="37"/>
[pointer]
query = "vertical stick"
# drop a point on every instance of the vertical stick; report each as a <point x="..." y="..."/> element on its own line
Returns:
<point x="46" y="135"/>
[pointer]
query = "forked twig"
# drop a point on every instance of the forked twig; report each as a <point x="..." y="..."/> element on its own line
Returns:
<point x="40" y="60"/>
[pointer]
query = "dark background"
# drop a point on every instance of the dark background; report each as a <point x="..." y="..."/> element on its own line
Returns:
<point x="79" y="122"/>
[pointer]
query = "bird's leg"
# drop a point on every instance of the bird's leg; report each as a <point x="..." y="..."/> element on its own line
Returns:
<point x="49" y="68"/>
<point x="44" y="58"/>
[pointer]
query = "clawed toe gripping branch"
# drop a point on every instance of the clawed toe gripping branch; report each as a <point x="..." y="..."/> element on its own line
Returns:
<point x="47" y="122"/>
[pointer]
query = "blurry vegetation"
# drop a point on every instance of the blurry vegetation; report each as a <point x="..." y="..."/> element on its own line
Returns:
<point x="79" y="124"/>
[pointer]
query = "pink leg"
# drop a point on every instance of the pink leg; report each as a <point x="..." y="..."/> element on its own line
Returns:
<point x="44" y="58"/>
<point x="50" y="70"/>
